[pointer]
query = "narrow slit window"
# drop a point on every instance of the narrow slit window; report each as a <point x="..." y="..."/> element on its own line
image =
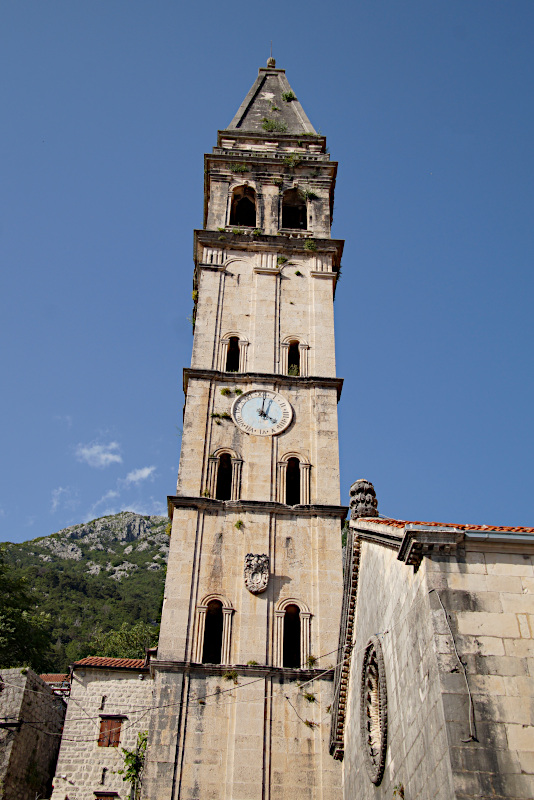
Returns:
<point x="213" y="634"/>
<point x="291" y="654"/>
<point x="293" y="482"/>
<point x="223" y="489"/>
<point x="243" y="208"/>
<point x="232" y="355"/>
<point x="294" y="211"/>
<point x="293" y="359"/>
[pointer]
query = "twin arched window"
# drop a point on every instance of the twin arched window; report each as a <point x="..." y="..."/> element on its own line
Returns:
<point x="243" y="208"/>
<point x="214" y="627"/>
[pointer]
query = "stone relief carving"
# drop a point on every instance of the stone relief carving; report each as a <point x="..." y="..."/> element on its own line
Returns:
<point x="256" y="572"/>
<point x="374" y="710"/>
<point x="363" y="502"/>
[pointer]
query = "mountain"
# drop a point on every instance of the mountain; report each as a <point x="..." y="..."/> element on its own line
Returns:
<point x="92" y="577"/>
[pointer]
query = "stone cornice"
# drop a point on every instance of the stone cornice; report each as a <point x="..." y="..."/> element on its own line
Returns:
<point x="261" y="377"/>
<point x="267" y="243"/>
<point x="254" y="506"/>
<point x="256" y="670"/>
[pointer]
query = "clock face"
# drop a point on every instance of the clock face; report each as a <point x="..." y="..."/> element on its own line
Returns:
<point x="262" y="412"/>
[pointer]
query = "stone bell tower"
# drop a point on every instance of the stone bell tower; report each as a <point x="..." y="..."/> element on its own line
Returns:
<point x="253" y="591"/>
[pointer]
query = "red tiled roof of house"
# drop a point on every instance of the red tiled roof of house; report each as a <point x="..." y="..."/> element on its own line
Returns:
<point x="113" y="663"/>
<point x="54" y="677"/>
<point x="399" y="523"/>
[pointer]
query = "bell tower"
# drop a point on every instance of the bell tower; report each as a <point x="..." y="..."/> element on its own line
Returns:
<point x="249" y="628"/>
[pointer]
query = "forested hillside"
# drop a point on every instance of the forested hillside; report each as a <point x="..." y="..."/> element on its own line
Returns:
<point x="91" y="578"/>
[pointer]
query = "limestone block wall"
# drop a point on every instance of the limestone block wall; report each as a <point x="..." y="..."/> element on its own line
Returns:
<point x="245" y="739"/>
<point x="83" y="767"/>
<point x="207" y="556"/>
<point x="264" y="303"/>
<point x="393" y="603"/>
<point x="313" y="435"/>
<point x="476" y="604"/>
<point x="489" y="598"/>
<point x="28" y="751"/>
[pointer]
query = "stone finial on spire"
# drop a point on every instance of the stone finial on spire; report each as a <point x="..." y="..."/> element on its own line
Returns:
<point x="363" y="502"/>
<point x="271" y="62"/>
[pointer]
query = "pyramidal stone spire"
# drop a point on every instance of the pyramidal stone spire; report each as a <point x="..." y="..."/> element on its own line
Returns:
<point x="271" y="106"/>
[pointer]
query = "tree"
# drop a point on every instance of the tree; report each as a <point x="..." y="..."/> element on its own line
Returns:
<point x="24" y="636"/>
<point x="129" y="641"/>
<point x="134" y="764"/>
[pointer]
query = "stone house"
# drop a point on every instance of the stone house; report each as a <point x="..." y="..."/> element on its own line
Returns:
<point x="109" y="703"/>
<point x="434" y="692"/>
<point x="31" y="721"/>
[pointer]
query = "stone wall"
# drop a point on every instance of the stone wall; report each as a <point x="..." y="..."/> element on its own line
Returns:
<point x="393" y="603"/>
<point x="489" y="598"/>
<point x="241" y="737"/>
<point x="470" y="609"/>
<point x="28" y="750"/>
<point x="83" y="767"/>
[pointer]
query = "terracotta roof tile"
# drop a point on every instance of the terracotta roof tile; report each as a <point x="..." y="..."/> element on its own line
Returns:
<point x="54" y="677"/>
<point x="399" y="523"/>
<point x="114" y="663"/>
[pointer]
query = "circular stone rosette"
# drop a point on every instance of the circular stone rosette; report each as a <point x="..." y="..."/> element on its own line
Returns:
<point x="374" y="710"/>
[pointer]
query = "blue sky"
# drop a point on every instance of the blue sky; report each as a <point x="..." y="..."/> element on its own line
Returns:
<point x="108" y="108"/>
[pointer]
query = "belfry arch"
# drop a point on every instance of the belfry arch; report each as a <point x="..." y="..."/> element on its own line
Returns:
<point x="243" y="207"/>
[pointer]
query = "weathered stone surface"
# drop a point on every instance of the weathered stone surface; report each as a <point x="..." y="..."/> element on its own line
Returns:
<point x="29" y="740"/>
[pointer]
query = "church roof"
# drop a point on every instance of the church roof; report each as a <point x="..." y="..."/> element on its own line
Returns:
<point x="264" y="109"/>
<point x="113" y="663"/>
<point x="399" y="523"/>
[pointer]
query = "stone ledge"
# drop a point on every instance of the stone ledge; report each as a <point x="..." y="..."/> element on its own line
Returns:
<point x="255" y="506"/>
<point x="255" y="670"/>
<point x="262" y="377"/>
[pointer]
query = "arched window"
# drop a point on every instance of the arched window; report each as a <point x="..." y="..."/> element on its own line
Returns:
<point x="294" y="212"/>
<point x="293" y="482"/>
<point x="213" y="633"/>
<point x="211" y="643"/>
<point x="293" y="358"/>
<point x="291" y="643"/>
<point x="223" y="490"/>
<point x="243" y="207"/>
<point x="232" y="354"/>
<point x="223" y="477"/>
<point x="292" y="633"/>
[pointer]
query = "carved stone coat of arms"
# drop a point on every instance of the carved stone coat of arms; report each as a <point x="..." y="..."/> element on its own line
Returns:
<point x="256" y="572"/>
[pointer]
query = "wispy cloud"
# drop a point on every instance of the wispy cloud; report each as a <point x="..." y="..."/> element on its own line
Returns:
<point x="149" y="507"/>
<point x="99" y="455"/>
<point x="111" y="494"/>
<point x="138" y="475"/>
<point x="63" y="496"/>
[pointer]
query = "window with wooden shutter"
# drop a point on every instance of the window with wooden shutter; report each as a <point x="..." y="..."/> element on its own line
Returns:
<point x="110" y="731"/>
